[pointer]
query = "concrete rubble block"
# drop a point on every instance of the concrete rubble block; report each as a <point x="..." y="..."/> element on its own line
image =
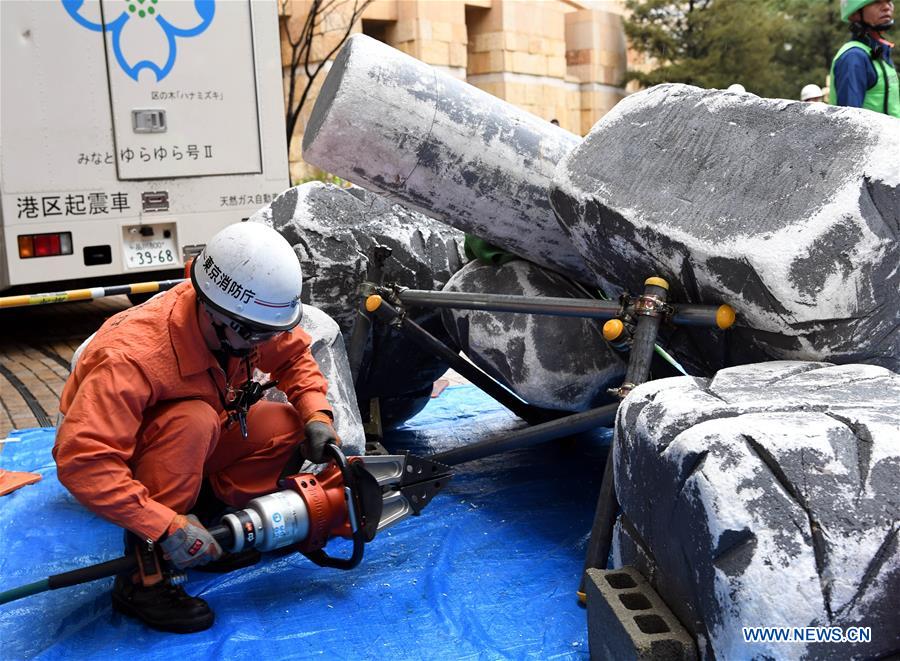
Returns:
<point x="336" y="233"/>
<point x="628" y="621"/>
<point x="330" y="353"/>
<point x="790" y="211"/>
<point x="768" y="495"/>
<point x="393" y="124"/>
<point x="560" y="363"/>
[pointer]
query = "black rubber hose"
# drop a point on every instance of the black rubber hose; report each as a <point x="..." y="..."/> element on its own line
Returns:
<point x="126" y="563"/>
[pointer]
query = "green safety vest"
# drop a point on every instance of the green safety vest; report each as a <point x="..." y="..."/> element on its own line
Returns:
<point x="884" y="96"/>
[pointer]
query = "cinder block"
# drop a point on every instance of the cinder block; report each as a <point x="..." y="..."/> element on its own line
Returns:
<point x="627" y="620"/>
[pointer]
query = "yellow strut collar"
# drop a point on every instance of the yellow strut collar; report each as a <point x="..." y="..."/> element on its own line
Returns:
<point x="725" y="316"/>
<point x="659" y="282"/>
<point x="612" y="329"/>
<point x="373" y="302"/>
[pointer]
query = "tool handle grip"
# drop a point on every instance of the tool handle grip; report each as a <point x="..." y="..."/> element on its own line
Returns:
<point x="121" y="565"/>
<point x="223" y="535"/>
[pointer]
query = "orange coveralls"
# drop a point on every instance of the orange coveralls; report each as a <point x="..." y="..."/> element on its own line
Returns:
<point x="144" y="416"/>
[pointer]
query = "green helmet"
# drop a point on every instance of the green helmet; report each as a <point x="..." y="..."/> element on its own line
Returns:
<point x="849" y="7"/>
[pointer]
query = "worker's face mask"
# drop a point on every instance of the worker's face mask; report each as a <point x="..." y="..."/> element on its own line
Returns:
<point x="250" y="334"/>
<point x="242" y="336"/>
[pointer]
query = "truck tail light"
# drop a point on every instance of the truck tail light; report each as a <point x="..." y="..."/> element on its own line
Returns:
<point x="45" y="245"/>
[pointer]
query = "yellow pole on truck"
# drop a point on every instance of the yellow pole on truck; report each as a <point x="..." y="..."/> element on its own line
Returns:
<point x="87" y="294"/>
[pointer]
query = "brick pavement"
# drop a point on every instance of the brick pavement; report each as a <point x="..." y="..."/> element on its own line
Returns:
<point x="36" y="345"/>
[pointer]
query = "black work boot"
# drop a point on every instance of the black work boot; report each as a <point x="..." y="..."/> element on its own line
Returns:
<point x="149" y="597"/>
<point x="162" y="606"/>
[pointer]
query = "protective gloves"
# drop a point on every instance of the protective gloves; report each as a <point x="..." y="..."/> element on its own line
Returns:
<point x="187" y="543"/>
<point x="318" y="435"/>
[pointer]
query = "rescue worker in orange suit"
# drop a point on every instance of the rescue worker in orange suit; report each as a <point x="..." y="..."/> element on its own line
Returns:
<point x="157" y="406"/>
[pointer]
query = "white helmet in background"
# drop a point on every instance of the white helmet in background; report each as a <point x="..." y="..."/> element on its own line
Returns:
<point x="811" y="91"/>
<point x="249" y="273"/>
<point x="737" y="88"/>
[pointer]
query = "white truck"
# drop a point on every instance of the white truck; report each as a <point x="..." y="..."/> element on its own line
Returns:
<point x="130" y="132"/>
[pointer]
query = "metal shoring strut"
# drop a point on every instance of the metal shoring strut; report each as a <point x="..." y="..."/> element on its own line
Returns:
<point x="359" y="336"/>
<point x="650" y="309"/>
<point x="540" y="430"/>
<point x="387" y="313"/>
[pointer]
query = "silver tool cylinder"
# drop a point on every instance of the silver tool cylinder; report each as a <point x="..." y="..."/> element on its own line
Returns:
<point x="269" y="522"/>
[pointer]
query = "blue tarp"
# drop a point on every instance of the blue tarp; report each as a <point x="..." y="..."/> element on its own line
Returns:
<point x="488" y="571"/>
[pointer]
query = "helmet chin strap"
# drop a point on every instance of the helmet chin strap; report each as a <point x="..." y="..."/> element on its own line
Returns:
<point x="224" y="344"/>
<point x="861" y="27"/>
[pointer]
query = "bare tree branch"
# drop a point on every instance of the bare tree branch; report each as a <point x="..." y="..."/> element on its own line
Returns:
<point x="301" y="45"/>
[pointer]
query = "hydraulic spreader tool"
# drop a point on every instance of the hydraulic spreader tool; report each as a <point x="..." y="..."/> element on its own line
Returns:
<point x="352" y="497"/>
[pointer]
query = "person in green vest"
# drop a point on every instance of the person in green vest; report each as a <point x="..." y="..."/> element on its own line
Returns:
<point x="862" y="72"/>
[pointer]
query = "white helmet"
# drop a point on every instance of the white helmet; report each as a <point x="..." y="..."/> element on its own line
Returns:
<point x="736" y="87"/>
<point x="811" y="91"/>
<point x="249" y="273"/>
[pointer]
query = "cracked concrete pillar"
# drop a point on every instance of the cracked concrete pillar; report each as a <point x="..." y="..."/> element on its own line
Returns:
<point x="391" y="123"/>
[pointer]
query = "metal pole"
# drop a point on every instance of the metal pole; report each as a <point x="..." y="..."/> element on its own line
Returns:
<point x="703" y="315"/>
<point x="533" y="435"/>
<point x="650" y="309"/>
<point x="688" y="315"/>
<point x="359" y="336"/>
<point x="87" y="294"/>
<point x="388" y="314"/>
<point x="546" y="305"/>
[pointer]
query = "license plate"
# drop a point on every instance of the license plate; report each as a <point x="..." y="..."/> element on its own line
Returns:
<point x="145" y="249"/>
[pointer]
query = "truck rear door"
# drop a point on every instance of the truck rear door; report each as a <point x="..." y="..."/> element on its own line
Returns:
<point x="182" y="121"/>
